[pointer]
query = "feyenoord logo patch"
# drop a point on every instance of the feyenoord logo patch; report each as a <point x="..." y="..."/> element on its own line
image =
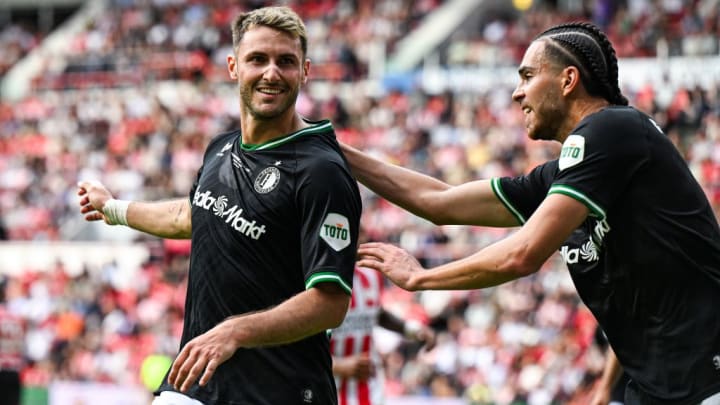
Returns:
<point x="267" y="180"/>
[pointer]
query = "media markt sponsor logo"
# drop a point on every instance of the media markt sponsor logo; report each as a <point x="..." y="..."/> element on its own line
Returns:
<point x="335" y="230"/>
<point x="233" y="215"/>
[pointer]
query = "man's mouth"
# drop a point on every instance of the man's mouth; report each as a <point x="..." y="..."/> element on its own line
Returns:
<point x="269" y="90"/>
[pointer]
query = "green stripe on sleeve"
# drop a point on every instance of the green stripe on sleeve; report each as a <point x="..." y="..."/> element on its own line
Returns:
<point x="327" y="278"/>
<point x="595" y="209"/>
<point x="497" y="189"/>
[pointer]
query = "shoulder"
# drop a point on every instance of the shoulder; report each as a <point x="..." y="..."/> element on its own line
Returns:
<point x="614" y="121"/>
<point x="222" y="139"/>
<point x="318" y="148"/>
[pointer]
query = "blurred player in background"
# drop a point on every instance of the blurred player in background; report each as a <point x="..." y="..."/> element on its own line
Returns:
<point x="633" y="225"/>
<point x="356" y="362"/>
<point x="12" y="351"/>
<point x="273" y="217"/>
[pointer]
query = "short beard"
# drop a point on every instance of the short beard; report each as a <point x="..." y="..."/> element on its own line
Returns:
<point x="246" y="96"/>
<point x="549" y="120"/>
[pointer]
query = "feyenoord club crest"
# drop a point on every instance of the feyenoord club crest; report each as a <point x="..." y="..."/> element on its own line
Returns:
<point x="267" y="180"/>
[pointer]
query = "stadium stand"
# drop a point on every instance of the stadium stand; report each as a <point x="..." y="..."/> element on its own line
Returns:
<point x="133" y="91"/>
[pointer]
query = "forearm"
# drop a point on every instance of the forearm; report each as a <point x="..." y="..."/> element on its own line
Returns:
<point x="166" y="219"/>
<point x="306" y="314"/>
<point x="612" y="371"/>
<point x="503" y="261"/>
<point x="403" y="187"/>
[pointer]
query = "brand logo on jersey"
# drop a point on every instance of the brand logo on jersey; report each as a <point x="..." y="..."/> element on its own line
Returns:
<point x="224" y="149"/>
<point x="590" y="250"/>
<point x="233" y="215"/>
<point x="236" y="161"/>
<point x="267" y="180"/>
<point x="335" y="230"/>
<point x="655" y="124"/>
<point x="716" y="361"/>
<point x="572" y="152"/>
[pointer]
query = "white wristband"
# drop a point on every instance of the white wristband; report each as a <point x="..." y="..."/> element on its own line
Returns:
<point x="411" y="329"/>
<point x="115" y="211"/>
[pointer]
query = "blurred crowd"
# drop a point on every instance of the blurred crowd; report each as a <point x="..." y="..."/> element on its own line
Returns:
<point x="530" y="341"/>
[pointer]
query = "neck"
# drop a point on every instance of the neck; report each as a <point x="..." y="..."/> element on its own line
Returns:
<point x="258" y="131"/>
<point x="578" y="112"/>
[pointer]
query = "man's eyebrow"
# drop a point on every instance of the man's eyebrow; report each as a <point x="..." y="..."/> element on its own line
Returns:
<point x="525" y="69"/>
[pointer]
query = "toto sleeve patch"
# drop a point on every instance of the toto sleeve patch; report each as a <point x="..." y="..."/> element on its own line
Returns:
<point x="335" y="230"/>
<point x="572" y="152"/>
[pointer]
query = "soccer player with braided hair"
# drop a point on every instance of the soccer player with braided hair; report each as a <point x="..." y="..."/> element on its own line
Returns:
<point x="619" y="203"/>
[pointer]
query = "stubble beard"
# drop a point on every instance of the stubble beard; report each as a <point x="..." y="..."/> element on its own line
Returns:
<point x="246" y="96"/>
<point x="548" y="121"/>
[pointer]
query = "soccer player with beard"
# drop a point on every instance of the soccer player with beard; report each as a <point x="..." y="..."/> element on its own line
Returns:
<point x="634" y="227"/>
<point x="273" y="217"/>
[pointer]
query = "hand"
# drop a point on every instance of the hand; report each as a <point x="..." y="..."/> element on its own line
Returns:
<point x="397" y="264"/>
<point x="427" y="336"/>
<point x="93" y="197"/>
<point x="202" y="355"/>
<point x="358" y="366"/>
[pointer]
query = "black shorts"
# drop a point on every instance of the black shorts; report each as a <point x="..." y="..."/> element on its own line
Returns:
<point x="9" y="387"/>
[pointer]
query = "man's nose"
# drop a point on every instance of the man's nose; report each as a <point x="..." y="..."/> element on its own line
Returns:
<point x="272" y="72"/>
<point x="518" y="94"/>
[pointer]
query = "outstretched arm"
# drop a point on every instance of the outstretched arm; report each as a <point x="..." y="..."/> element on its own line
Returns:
<point x="166" y="219"/>
<point x="472" y="203"/>
<point x="312" y="311"/>
<point x="519" y="254"/>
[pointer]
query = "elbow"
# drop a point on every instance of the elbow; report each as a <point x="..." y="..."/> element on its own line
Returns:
<point x="336" y="316"/>
<point x="521" y="266"/>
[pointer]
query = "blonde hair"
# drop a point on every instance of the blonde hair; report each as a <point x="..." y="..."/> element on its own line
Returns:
<point x="279" y="18"/>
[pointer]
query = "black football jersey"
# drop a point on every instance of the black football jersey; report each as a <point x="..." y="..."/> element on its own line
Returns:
<point x="270" y="221"/>
<point x="646" y="261"/>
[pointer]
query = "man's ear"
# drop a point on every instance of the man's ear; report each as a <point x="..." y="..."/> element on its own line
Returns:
<point x="570" y="77"/>
<point x="231" y="66"/>
<point x="306" y="70"/>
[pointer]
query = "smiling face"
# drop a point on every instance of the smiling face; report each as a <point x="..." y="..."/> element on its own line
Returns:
<point x="540" y="94"/>
<point x="269" y="67"/>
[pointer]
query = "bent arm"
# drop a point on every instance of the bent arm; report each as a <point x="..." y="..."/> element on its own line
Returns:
<point x="313" y="311"/>
<point x="520" y="254"/>
<point x="166" y="219"/>
<point x="472" y="203"/>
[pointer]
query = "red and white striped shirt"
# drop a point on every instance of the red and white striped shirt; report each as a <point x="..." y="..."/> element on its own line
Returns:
<point x="354" y="336"/>
<point x="12" y="341"/>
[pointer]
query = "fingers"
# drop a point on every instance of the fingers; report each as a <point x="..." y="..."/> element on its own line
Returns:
<point x="197" y="360"/>
<point x="176" y="366"/>
<point x="209" y="371"/>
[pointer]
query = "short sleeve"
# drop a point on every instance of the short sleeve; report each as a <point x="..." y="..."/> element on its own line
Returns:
<point x="523" y="194"/>
<point x="329" y="208"/>
<point x="598" y="160"/>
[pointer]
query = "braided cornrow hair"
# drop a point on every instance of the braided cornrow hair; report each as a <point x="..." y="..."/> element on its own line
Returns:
<point x="583" y="45"/>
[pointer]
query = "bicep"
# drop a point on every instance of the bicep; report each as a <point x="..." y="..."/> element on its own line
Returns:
<point x="472" y="203"/>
